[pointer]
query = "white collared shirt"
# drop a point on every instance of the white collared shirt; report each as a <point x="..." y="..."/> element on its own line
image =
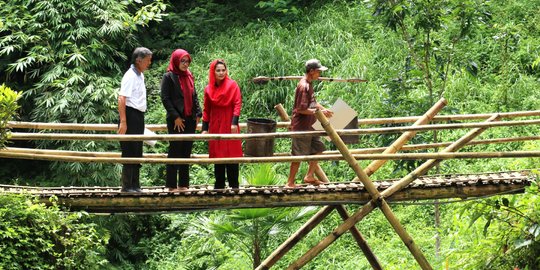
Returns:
<point x="133" y="89"/>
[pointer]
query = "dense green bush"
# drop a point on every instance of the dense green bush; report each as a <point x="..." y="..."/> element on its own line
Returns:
<point x="67" y="58"/>
<point x="34" y="236"/>
<point x="8" y="107"/>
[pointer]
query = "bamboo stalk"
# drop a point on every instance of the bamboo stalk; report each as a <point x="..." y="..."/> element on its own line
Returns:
<point x="255" y="136"/>
<point x="264" y="79"/>
<point x="163" y="160"/>
<point x="295" y="238"/>
<point x="371" y="121"/>
<point x="374" y="193"/>
<point x="360" y="240"/>
<point x="356" y="152"/>
<point x="282" y="113"/>
<point x="422" y="169"/>
<point x="457" y="117"/>
<point x="405" y="137"/>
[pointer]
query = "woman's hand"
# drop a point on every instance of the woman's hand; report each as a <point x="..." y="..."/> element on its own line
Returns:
<point x="204" y="132"/>
<point x="179" y="124"/>
<point x="197" y="123"/>
<point x="234" y="128"/>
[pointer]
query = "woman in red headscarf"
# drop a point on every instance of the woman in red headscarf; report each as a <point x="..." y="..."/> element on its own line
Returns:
<point x="222" y="104"/>
<point x="183" y="114"/>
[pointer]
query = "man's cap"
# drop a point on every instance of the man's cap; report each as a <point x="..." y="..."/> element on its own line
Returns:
<point x="314" y="64"/>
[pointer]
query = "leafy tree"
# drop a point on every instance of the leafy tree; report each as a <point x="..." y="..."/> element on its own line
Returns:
<point x="34" y="236"/>
<point x="8" y="107"/>
<point x="67" y="58"/>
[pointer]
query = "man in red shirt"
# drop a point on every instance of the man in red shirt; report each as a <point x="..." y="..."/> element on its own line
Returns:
<point x="303" y="117"/>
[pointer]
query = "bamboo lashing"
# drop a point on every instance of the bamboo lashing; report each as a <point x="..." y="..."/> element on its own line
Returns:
<point x="264" y="79"/>
<point x="375" y="195"/>
<point x="370" y="121"/>
<point x="366" y="209"/>
<point x="255" y="136"/>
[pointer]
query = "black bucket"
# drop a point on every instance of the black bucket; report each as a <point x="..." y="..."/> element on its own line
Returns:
<point x="260" y="147"/>
<point x="351" y="139"/>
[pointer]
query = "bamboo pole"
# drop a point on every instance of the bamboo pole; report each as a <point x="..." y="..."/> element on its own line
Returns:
<point x="375" y="195"/>
<point x="446" y="118"/>
<point x="424" y="168"/>
<point x="405" y="137"/>
<point x="295" y="238"/>
<point x="158" y="160"/>
<point x="360" y="240"/>
<point x="366" y="209"/>
<point x="264" y="79"/>
<point x="370" y="121"/>
<point x="356" y="152"/>
<point x="256" y="136"/>
<point x="282" y="113"/>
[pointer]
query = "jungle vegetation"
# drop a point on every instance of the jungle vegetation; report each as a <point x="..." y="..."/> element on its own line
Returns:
<point x="62" y="61"/>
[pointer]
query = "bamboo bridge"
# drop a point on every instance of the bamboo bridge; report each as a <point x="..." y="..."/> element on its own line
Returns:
<point x="332" y="195"/>
<point x="109" y="200"/>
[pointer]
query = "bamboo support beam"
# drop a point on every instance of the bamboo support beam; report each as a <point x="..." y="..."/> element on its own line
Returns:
<point x="424" y="168"/>
<point x="370" y="121"/>
<point x="360" y="240"/>
<point x="375" y="195"/>
<point x="295" y="238"/>
<point x="366" y="209"/>
<point x="405" y="137"/>
<point x="282" y="113"/>
<point x="255" y="136"/>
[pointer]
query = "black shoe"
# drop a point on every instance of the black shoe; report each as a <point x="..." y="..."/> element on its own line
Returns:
<point x="129" y="190"/>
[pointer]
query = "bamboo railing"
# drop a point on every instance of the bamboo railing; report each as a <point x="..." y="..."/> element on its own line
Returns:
<point x="255" y="136"/>
<point x="370" y="121"/>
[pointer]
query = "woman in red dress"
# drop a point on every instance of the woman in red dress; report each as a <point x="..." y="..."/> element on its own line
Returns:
<point x="222" y="104"/>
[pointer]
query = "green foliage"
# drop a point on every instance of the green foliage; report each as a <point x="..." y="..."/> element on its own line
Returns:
<point x="34" y="236"/>
<point x="67" y="57"/>
<point x="129" y="237"/>
<point x="8" y="107"/>
<point x="503" y="230"/>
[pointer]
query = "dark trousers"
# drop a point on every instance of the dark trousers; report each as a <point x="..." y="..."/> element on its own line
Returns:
<point x="179" y="149"/>
<point x="135" y="125"/>
<point x="232" y="175"/>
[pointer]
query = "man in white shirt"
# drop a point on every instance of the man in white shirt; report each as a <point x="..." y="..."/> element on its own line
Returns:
<point x="131" y="107"/>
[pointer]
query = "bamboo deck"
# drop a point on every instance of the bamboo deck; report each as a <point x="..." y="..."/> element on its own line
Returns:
<point x="203" y="197"/>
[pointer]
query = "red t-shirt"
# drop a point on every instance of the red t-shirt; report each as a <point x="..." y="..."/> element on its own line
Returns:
<point x="304" y="99"/>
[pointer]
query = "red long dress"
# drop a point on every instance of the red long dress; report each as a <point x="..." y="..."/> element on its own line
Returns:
<point x="221" y="103"/>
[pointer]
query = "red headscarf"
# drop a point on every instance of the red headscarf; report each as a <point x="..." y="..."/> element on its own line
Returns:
<point x="184" y="77"/>
<point x="224" y="93"/>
